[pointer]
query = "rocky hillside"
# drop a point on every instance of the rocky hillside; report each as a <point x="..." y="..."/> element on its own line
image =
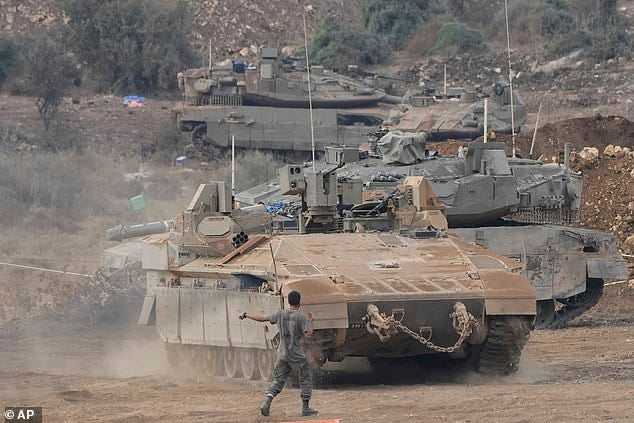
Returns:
<point x="230" y="25"/>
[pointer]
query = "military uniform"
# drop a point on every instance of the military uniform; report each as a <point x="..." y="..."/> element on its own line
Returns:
<point x="292" y="324"/>
<point x="290" y="356"/>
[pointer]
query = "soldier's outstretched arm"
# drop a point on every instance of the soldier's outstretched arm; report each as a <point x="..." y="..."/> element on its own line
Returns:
<point x="256" y="317"/>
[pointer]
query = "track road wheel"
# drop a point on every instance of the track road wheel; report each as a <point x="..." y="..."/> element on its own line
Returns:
<point x="210" y="361"/>
<point x="249" y="362"/>
<point x="545" y="314"/>
<point x="231" y="357"/>
<point x="266" y="364"/>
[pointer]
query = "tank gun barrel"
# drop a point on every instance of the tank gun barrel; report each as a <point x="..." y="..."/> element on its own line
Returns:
<point x="121" y="232"/>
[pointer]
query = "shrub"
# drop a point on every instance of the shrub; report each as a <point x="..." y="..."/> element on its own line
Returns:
<point x="456" y="34"/>
<point x="333" y="47"/>
<point x="557" y="18"/>
<point x="593" y="25"/>
<point x="131" y="45"/>
<point x="8" y="57"/>
<point x="50" y="70"/>
<point x="395" y="21"/>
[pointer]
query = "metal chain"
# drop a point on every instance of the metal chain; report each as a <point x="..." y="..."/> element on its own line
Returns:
<point x="384" y="327"/>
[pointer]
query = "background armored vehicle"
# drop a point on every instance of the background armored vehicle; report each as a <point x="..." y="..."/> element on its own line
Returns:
<point x="401" y="293"/>
<point x="264" y="106"/>
<point x="459" y="113"/>
<point x="566" y="265"/>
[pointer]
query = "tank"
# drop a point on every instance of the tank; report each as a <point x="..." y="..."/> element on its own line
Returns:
<point x="458" y="113"/>
<point x="516" y="207"/>
<point x="371" y="288"/>
<point x="265" y="106"/>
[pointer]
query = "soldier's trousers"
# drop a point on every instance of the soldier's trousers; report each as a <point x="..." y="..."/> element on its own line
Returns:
<point x="280" y="374"/>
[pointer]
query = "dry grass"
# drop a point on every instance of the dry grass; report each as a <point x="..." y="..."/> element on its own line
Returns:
<point x="55" y="208"/>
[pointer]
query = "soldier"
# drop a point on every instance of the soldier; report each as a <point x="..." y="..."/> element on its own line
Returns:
<point x="293" y="325"/>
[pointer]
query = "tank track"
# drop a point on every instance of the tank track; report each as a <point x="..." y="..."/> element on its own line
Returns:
<point x="205" y="361"/>
<point x="500" y="353"/>
<point x="577" y="305"/>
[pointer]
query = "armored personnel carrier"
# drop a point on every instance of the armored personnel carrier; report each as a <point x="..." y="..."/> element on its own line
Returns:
<point x="510" y="205"/>
<point x="408" y="291"/>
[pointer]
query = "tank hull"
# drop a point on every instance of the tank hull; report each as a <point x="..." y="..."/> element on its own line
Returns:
<point x="275" y="128"/>
<point x="420" y="285"/>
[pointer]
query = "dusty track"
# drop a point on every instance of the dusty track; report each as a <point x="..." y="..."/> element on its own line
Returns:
<point x="120" y="374"/>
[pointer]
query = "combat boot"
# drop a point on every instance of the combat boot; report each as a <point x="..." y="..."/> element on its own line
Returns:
<point x="306" y="410"/>
<point x="265" y="408"/>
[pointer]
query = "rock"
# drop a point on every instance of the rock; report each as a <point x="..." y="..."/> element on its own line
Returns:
<point x="618" y="151"/>
<point x="628" y="244"/>
<point x="609" y="151"/>
<point x="589" y="156"/>
<point x="244" y="52"/>
<point x="288" y="51"/>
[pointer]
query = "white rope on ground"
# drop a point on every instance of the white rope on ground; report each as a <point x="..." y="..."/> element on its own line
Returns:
<point x="615" y="283"/>
<point x="42" y="269"/>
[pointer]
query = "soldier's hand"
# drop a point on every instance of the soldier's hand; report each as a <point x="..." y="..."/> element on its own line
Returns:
<point x="242" y="316"/>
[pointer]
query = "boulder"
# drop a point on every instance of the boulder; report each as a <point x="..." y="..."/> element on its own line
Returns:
<point x="589" y="156"/>
<point x="618" y="152"/>
<point x="609" y="151"/>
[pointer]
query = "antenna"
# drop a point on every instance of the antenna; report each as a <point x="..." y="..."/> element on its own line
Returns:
<point x="508" y="49"/>
<point x="274" y="265"/>
<point x="539" y="111"/>
<point x="486" y="119"/>
<point x="233" y="166"/>
<point x="310" y="95"/>
<point x="210" y="54"/>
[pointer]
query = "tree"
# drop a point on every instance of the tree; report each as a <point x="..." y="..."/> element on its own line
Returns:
<point x="8" y="57"/>
<point x="332" y="46"/>
<point x="131" y="45"/>
<point x="50" y="71"/>
<point x="395" y="21"/>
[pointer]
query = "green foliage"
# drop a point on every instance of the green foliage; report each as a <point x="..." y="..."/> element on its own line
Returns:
<point x="557" y="18"/>
<point x="456" y="34"/>
<point x="332" y="47"/>
<point x="395" y="21"/>
<point x="8" y="57"/>
<point x="593" y="25"/>
<point x="131" y="45"/>
<point x="50" y="71"/>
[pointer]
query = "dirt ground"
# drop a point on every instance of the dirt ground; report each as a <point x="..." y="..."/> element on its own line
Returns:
<point x="119" y="373"/>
